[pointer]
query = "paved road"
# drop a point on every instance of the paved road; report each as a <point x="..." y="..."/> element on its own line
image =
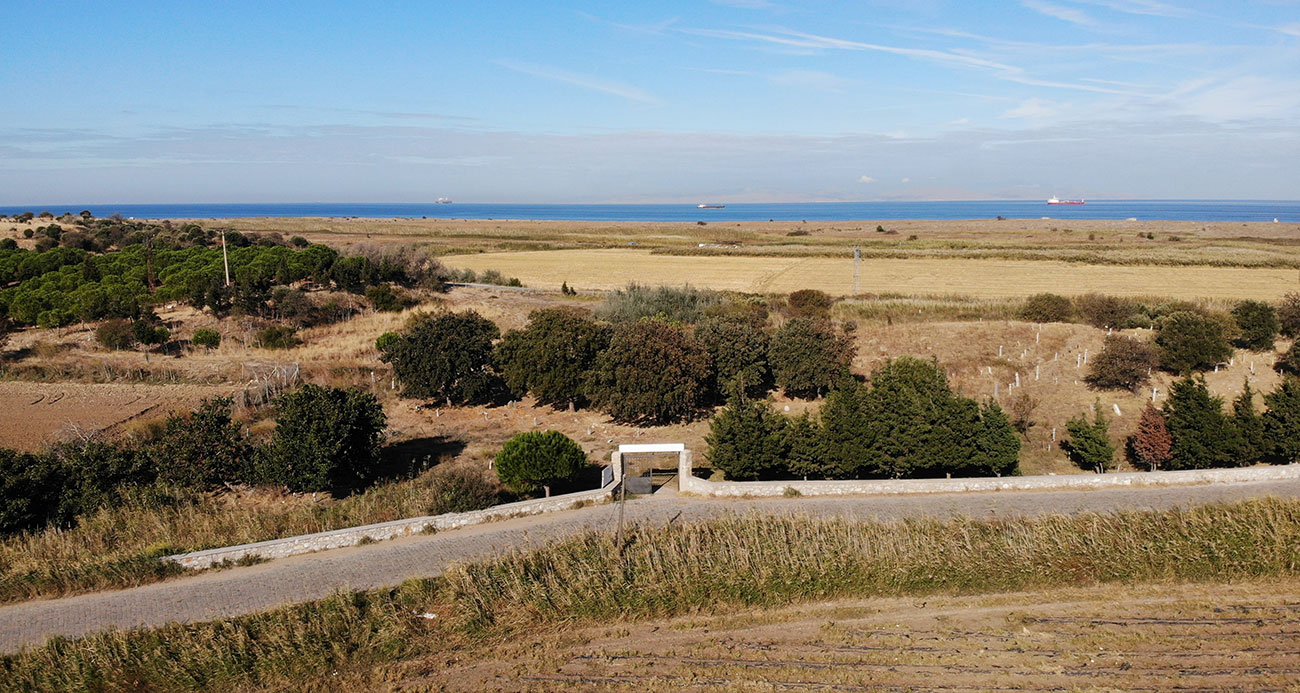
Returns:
<point x="237" y="591"/>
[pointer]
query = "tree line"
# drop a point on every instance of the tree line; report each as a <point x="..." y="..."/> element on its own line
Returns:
<point x="665" y="355"/>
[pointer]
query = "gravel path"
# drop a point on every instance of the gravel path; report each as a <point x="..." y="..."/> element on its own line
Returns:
<point x="237" y="591"/>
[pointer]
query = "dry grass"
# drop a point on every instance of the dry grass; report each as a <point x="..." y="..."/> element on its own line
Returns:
<point x="707" y="568"/>
<point x="118" y="546"/>
<point x="611" y="269"/>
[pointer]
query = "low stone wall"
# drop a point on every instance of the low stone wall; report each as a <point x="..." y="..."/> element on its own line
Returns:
<point x="689" y="483"/>
<point x="351" y="536"/>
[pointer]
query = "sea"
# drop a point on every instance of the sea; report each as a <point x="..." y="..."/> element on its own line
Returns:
<point x="1144" y="210"/>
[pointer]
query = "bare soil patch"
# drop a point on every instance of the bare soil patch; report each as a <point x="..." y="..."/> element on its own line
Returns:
<point x="1157" y="637"/>
<point x="37" y="413"/>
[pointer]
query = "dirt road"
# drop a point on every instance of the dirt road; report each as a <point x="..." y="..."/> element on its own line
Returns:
<point x="255" y="588"/>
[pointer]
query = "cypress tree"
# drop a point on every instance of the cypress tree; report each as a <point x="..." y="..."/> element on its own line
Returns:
<point x="807" y="357"/>
<point x="1089" y="443"/>
<point x="1203" y="437"/>
<point x="1282" y="421"/>
<point x="805" y="456"/>
<point x="747" y="440"/>
<point x="997" y="446"/>
<point x="1190" y="341"/>
<point x="1249" y="427"/>
<point x="847" y="444"/>
<point x="1258" y="323"/>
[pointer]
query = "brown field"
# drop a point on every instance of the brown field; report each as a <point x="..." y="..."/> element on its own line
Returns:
<point x="36" y="413"/>
<point x="1157" y="637"/>
<point x="614" y="268"/>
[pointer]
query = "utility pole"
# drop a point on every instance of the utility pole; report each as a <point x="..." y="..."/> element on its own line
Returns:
<point x="225" y="259"/>
<point x="857" y="260"/>
<point x="622" y="499"/>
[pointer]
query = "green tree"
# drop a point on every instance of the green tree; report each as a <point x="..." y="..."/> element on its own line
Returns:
<point x="1190" y="342"/>
<point x="809" y="303"/>
<point x="807" y="357"/>
<point x="1100" y="310"/>
<point x="805" y="456"/>
<point x="29" y="490"/>
<point x="1203" y="436"/>
<point x="1124" y="363"/>
<point x="997" y="447"/>
<point x="532" y="459"/>
<point x="446" y="357"/>
<point x="553" y="356"/>
<point x="1249" y="427"/>
<point x="1258" y="324"/>
<point x="1089" y="444"/>
<point x="652" y="373"/>
<point x="747" y="440"/>
<point x="1290" y="361"/>
<point x="847" y="447"/>
<point x="1047" y="308"/>
<point x="1151" y="445"/>
<point x="326" y="439"/>
<point x="738" y="351"/>
<point x="1282" y="421"/>
<point x="116" y="334"/>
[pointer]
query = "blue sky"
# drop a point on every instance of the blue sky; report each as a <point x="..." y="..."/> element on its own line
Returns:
<point x="730" y="101"/>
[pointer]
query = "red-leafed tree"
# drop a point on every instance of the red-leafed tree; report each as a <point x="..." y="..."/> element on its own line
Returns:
<point x="1151" y="444"/>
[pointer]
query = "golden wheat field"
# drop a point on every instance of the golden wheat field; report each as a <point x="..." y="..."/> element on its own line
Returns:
<point x="610" y="269"/>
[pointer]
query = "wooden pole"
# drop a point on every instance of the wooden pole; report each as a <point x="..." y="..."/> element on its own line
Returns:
<point x="622" y="502"/>
<point x="225" y="259"/>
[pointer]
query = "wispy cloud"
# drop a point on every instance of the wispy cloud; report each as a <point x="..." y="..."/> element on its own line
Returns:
<point x="1067" y="14"/>
<point x="1144" y="7"/>
<point x="611" y="87"/>
<point x="746" y="4"/>
<point x="811" y="79"/>
<point x="797" y="39"/>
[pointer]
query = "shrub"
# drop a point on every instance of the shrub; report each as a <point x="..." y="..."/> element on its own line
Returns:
<point x="1103" y="311"/>
<point x="1282" y="421"/>
<point x="1190" y="342"/>
<point x="29" y="489"/>
<point x="277" y="337"/>
<point x="1289" y="362"/>
<point x="8" y="244"/>
<point x="460" y="488"/>
<point x="1089" y="444"/>
<point x="684" y="304"/>
<point x="532" y="459"/>
<point x="747" y="440"/>
<point x="445" y="357"/>
<point x="298" y="242"/>
<point x="116" y="334"/>
<point x="1046" y="308"/>
<point x="1203" y="437"/>
<point x="326" y="439"/>
<point x="207" y="338"/>
<point x="652" y="372"/>
<point x="1151" y="445"/>
<point x="1258" y="324"/>
<point x="203" y="449"/>
<point x="384" y="298"/>
<point x="809" y="303"/>
<point x="1124" y="362"/>
<point x="1288" y="314"/>
<point x="807" y="357"/>
<point x="553" y="356"/>
<point x="149" y="334"/>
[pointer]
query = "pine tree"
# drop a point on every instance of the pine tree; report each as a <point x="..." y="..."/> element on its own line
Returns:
<point x="1203" y="437"/>
<point x="1089" y="443"/>
<point x="747" y="440"/>
<point x="1282" y="421"/>
<point x="1249" y="426"/>
<point x="1151" y="444"/>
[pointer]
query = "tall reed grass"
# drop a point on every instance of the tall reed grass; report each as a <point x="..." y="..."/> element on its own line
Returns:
<point x="712" y="566"/>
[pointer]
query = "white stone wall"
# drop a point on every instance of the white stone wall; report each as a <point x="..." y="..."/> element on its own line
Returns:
<point x="307" y="543"/>
<point x="692" y="484"/>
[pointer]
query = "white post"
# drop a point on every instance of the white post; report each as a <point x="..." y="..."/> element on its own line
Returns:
<point x="999" y="350"/>
<point x="1017" y="378"/>
<point x="1038" y="370"/>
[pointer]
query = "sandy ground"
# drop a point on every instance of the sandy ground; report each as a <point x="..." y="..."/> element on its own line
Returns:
<point x="1155" y="637"/>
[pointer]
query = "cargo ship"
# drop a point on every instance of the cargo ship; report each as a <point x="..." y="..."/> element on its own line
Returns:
<point x="704" y="206"/>
<point x="1054" y="200"/>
